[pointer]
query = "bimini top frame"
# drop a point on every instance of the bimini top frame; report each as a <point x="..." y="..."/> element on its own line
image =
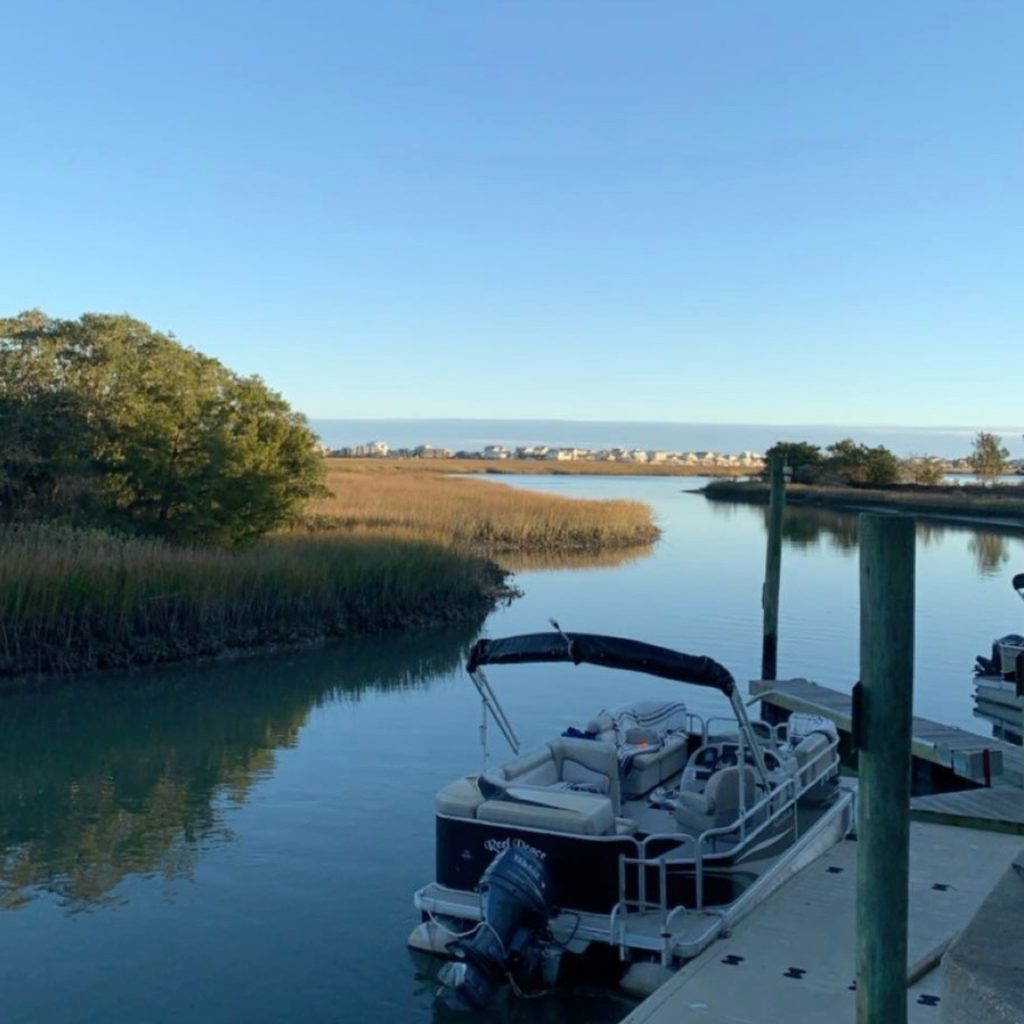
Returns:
<point x="608" y="652"/>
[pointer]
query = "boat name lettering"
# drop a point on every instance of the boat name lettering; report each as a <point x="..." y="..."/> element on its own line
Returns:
<point x="497" y="845"/>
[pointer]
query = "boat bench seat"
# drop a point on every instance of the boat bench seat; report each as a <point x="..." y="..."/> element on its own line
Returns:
<point x="652" y="769"/>
<point x="570" y="785"/>
<point x="563" y="764"/>
<point x="459" y="799"/>
<point x="588" y="814"/>
<point x="813" y="755"/>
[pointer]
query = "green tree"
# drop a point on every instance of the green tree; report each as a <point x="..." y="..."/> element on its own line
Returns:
<point x="988" y="456"/>
<point x="803" y="458"/>
<point x="853" y="463"/>
<point x="926" y="470"/>
<point x="106" y="420"/>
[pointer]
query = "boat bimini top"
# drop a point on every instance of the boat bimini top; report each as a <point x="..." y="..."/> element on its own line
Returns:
<point x="607" y="652"/>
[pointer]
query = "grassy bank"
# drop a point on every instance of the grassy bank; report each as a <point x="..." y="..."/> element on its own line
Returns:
<point x="584" y="467"/>
<point x="482" y="516"/>
<point x="1002" y="503"/>
<point x="79" y="600"/>
<point x="387" y="551"/>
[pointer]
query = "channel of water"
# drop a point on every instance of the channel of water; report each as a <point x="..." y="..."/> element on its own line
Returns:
<point x="240" y="842"/>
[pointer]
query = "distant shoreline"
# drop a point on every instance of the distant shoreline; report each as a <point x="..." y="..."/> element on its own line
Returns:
<point x="518" y="467"/>
<point x="1000" y="507"/>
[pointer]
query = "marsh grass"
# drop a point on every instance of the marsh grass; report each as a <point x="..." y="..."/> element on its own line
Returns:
<point x="78" y="600"/>
<point x="387" y="551"/>
<point x="481" y="516"/>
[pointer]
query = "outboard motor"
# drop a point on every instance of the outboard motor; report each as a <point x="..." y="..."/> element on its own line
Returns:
<point x="514" y="894"/>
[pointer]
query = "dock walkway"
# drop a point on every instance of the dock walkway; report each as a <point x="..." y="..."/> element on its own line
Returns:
<point x="956" y="749"/>
<point x="793" y="958"/>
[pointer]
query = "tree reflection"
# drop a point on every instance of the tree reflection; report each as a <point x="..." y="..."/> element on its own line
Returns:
<point x="118" y="776"/>
<point x="990" y="551"/>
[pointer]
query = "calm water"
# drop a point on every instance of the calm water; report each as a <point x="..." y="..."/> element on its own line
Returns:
<point x="241" y="842"/>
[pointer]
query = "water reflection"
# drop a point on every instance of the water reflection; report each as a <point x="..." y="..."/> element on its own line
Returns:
<point x="581" y="1001"/>
<point x="805" y="528"/>
<point x="990" y="551"/>
<point x="104" y="779"/>
<point x="550" y="560"/>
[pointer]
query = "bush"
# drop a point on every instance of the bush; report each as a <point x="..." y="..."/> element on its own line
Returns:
<point x="105" y="421"/>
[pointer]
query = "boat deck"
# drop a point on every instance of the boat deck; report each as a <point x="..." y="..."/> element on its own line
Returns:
<point x="781" y="963"/>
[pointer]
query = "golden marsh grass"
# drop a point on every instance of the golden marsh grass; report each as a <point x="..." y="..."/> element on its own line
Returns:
<point x="484" y="516"/>
<point x="77" y="600"/>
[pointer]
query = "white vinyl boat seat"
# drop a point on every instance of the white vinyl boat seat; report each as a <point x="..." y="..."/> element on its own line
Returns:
<point x="570" y="785"/>
<point x="459" y="799"/>
<point x="552" y="810"/>
<point x="650" y="740"/>
<point x="719" y="804"/>
<point x="813" y="755"/>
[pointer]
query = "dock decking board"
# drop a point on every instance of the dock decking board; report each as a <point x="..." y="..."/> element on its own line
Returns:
<point x="939" y="744"/>
<point x="1000" y="808"/>
<point x="808" y="926"/>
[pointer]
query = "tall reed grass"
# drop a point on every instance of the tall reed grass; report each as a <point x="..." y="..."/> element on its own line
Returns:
<point x="76" y="600"/>
<point x="480" y="515"/>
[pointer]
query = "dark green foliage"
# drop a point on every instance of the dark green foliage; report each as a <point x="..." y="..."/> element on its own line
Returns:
<point x="105" y="421"/>
<point x="804" y="459"/>
<point x="852" y="463"/>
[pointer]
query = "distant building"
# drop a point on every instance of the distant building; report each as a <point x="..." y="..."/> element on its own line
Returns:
<point x="426" y="451"/>
<point x="496" y="451"/>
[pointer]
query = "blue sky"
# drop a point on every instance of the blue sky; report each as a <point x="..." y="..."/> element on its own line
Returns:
<point x="729" y="212"/>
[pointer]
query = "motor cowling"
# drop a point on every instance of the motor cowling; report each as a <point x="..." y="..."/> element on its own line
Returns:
<point x="515" y="911"/>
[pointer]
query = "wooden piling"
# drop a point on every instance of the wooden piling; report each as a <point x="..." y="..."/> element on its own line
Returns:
<point x="884" y="731"/>
<point x="772" y="571"/>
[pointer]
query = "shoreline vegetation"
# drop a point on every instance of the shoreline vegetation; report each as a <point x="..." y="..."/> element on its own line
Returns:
<point x="156" y="506"/>
<point x="384" y="551"/>
<point x="997" y="506"/>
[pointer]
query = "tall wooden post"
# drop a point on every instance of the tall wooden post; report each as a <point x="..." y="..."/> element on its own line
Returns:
<point x="883" y="707"/>
<point x="772" y="571"/>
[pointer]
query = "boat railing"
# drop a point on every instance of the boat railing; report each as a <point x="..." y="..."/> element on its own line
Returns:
<point x="687" y="852"/>
<point x="641" y="903"/>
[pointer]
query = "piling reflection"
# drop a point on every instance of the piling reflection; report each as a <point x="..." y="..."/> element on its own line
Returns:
<point x="104" y="779"/>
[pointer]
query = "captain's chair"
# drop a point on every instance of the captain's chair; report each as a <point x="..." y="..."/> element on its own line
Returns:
<point x="719" y="804"/>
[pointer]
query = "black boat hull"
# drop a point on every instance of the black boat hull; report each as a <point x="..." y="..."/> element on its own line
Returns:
<point x="584" y="870"/>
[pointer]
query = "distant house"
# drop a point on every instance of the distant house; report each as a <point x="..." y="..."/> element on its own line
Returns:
<point x="533" y="451"/>
<point x="426" y="451"/>
<point x="560" y="455"/>
<point x="496" y="451"/>
<point x="657" y="456"/>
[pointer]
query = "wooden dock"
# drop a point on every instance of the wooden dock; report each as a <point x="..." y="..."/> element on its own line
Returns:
<point x="793" y="958"/>
<point x="963" y="753"/>
<point x="999" y="809"/>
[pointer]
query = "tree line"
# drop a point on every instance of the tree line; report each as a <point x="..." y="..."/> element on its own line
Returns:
<point x="107" y="422"/>
<point x="847" y="462"/>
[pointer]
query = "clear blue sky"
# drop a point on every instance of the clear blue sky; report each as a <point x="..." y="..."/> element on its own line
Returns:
<point x="759" y="212"/>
